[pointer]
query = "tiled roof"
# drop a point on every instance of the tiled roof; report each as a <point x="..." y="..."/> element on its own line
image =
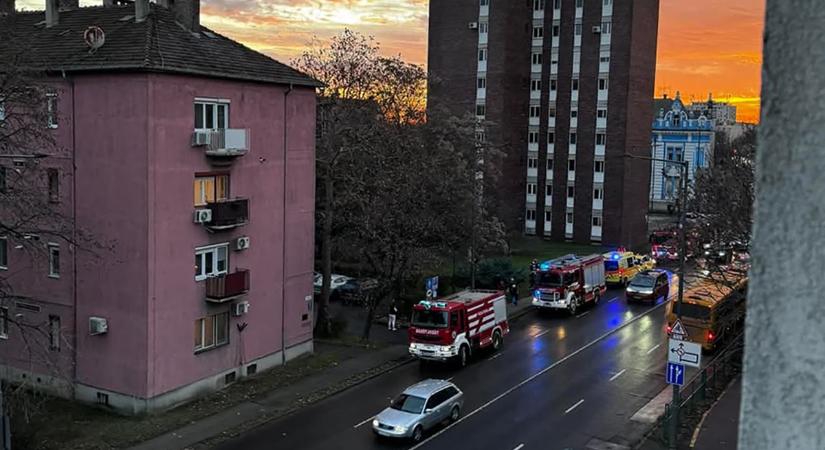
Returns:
<point x="158" y="44"/>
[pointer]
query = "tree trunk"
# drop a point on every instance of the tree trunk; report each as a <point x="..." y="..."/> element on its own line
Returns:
<point x="324" y="325"/>
<point x="368" y="321"/>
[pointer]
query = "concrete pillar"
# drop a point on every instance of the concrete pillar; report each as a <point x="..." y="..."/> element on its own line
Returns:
<point x="783" y="395"/>
<point x="141" y="10"/>
<point x="187" y="13"/>
<point x="52" y="12"/>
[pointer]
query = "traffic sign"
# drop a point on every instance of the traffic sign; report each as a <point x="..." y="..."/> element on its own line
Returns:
<point x="678" y="331"/>
<point x="432" y="287"/>
<point x="684" y="352"/>
<point x="675" y="374"/>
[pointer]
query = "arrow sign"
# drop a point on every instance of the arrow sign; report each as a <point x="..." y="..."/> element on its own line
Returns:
<point x="675" y="374"/>
<point x="684" y="352"/>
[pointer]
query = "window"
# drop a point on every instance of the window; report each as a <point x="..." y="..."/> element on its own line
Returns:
<point x="535" y="110"/>
<point x="571" y="191"/>
<point x="211" y="188"/>
<point x="532" y="163"/>
<point x="577" y="29"/>
<point x="579" y="3"/>
<point x="210" y="261"/>
<point x="54" y="260"/>
<point x="54" y="333"/>
<point x="54" y="185"/>
<point x="4" y="323"/>
<point x="531" y="214"/>
<point x="551" y="137"/>
<point x="531" y="188"/>
<point x="536" y="58"/>
<point x="481" y="136"/>
<point x="598" y="194"/>
<point x="481" y="110"/>
<point x="601" y="113"/>
<point x="483" y="27"/>
<point x="604" y="59"/>
<point x="2" y="110"/>
<point x="538" y="5"/>
<point x="674" y="153"/>
<point x="556" y="4"/>
<point x="484" y="2"/>
<point x="601" y="138"/>
<point x="4" y="253"/>
<point x="538" y="32"/>
<point x="602" y="84"/>
<point x="597" y="221"/>
<point x="533" y="137"/>
<point x="573" y="138"/>
<point x="571" y="165"/>
<point x="553" y="84"/>
<point x="551" y="112"/>
<point x="3" y="184"/>
<point x="211" y="115"/>
<point x="575" y="83"/>
<point x="482" y="54"/>
<point x="482" y="82"/>
<point x="574" y="113"/>
<point x="550" y="162"/>
<point x="548" y="216"/>
<point x="605" y="27"/>
<point x="535" y="85"/>
<point x="211" y="331"/>
<point x="51" y="110"/>
<point x="556" y="30"/>
<point x="607" y="2"/>
<point x="548" y="190"/>
<point x="598" y="166"/>
<point x="569" y="218"/>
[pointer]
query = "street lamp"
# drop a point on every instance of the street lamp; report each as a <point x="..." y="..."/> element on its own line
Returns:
<point x="682" y="251"/>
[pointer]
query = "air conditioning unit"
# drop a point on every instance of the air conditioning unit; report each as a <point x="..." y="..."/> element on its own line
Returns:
<point x="240" y="308"/>
<point x="597" y="29"/>
<point x="473" y="25"/>
<point x="203" y="215"/>
<point x="242" y="243"/>
<point x="200" y="138"/>
<point x="98" y="325"/>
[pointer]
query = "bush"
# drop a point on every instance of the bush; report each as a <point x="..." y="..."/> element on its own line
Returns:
<point x="490" y="272"/>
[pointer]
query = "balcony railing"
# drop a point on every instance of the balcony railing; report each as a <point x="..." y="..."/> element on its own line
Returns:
<point x="227" y="287"/>
<point x="228" y="214"/>
<point x="222" y="145"/>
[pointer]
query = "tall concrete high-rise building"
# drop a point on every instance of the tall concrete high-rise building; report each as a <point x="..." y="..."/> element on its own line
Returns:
<point x="564" y="88"/>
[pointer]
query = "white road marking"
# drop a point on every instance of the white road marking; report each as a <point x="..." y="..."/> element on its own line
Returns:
<point x="612" y="299"/>
<point x="654" y="349"/>
<point x="363" y="422"/>
<point x="582" y="314"/>
<point x="618" y="374"/>
<point x="542" y="333"/>
<point x="519" y="447"/>
<point x="494" y="357"/>
<point x="536" y="375"/>
<point x="574" y="406"/>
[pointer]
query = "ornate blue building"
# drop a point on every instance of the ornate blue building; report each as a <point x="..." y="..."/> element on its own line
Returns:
<point x="677" y="135"/>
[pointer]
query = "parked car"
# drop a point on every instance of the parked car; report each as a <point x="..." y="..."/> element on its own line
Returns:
<point x="317" y="282"/>
<point x="353" y="292"/>
<point x="336" y="281"/>
<point x="419" y="408"/>
<point x="649" y="285"/>
<point x="647" y="262"/>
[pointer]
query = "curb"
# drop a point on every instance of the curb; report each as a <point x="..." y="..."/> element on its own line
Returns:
<point x="266" y="418"/>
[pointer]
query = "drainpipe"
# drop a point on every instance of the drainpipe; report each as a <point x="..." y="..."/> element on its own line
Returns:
<point x="283" y="237"/>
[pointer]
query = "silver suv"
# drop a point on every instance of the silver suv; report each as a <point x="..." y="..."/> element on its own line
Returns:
<point x="419" y="408"/>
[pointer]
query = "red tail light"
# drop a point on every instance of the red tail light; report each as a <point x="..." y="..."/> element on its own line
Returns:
<point x="710" y="336"/>
<point x="669" y="329"/>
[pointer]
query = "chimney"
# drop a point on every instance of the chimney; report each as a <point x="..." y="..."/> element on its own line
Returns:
<point x="141" y="10"/>
<point x="6" y="7"/>
<point x="187" y="13"/>
<point x="52" y="12"/>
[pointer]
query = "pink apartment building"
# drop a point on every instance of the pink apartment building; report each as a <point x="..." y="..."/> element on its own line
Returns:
<point x="190" y="158"/>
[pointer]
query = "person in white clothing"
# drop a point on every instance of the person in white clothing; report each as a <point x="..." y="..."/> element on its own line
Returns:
<point x="391" y="317"/>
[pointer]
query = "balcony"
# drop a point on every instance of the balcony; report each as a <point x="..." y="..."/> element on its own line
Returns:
<point x="222" y="146"/>
<point x="227" y="287"/>
<point x="227" y="214"/>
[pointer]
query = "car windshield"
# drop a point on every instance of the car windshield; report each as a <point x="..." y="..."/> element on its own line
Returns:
<point x="549" y="279"/>
<point x="611" y="265"/>
<point x="408" y="403"/>
<point x="644" y="281"/>
<point x="695" y="311"/>
<point x="427" y="318"/>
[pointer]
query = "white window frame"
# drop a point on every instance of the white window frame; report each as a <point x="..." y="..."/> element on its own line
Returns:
<point x="484" y="2"/>
<point x="212" y="251"/>
<point x="596" y="165"/>
<point x="535" y="85"/>
<point x="554" y="84"/>
<point x="535" y="58"/>
<point x="569" y="218"/>
<point x="4" y="253"/>
<point x="531" y="189"/>
<point x="54" y="332"/>
<point x="482" y="54"/>
<point x="596" y="219"/>
<point x="54" y="259"/>
<point x="215" y="343"/>
<point x="535" y="110"/>
<point x="606" y="27"/>
<point x="603" y="83"/>
<point x="598" y="193"/>
<point x="532" y="162"/>
<point x="216" y="104"/>
<point x="573" y="138"/>
<point x="548" y="216"/>
<point x="577" y="29"/>
<point x="481" y="83"/>
<point x="533" y="137"/>
<point x="601" y="113"/>
<point x="550" y="164"/>
<point x="579" y="3"/>
<point x="530" y="214"/>
<point x="538" y="5"/>
<point x="538" y="32"/>
<point x="51" y="110"/>
<point x="574" y="113"/>
<point x="483" y="27"/>
<point x="601" y="138"/>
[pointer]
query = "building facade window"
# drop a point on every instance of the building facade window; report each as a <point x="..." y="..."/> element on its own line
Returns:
<point x="54" y="333"/>
<point x="601" y="138"/>
<point x="51" y="110"/>
<point x="549" y="164"/>
<point x="602" y="84"/>
<point x="571" y="165"/>
<point x="535" y="85"/>
<point x="601" y="113"/>
<point x="551" y="112"/>
<point x="211" y="115"/>
<point x="54" y="260"/>
<point x="548" y="216"/>
<point x="538" y="32"/>
<point x="3" y="182"/>
<point x="556" y="4"/>
<point x="538" y="5"/>
<point x="481" y="110"/>
<point x="556" y="30"/>
<point x="574" y="113"/>
<point x="211" y="261"/>
<point x="607" y="2"/>
<point x="579" y="3"/>
<point x="571" y="191"/>
<point x="575" y="84"/>
<point x="533" y="137"/>
<point x="211" y="189"/>
<point x="598" y="166"/>
<point x="4" y="253"/>
<point x="536" y="58"/>
<point x="483" y="27"/>
<point x="606" y="27"/>
<point x="484" y="2"/>
<point x="573" y="138"/>
<point x="482" y="82"/>
<point x="597" y="221"/>
<point x="598" y="194"/>
<point x="569" y="217"/>
<point x="535" y="110"/>
<point x="604" y="59"/>
<point x="532" y="162"/>
<point x="53" y="180"/>
<point x="531" y="188"/>
<point x="551" y="137"/>
<point x="548" y="190"/>
<point x="553" y="84"/>
<point x="674" y="153"/>
<point x="482" y="54"/>
<point x="577" y="29"/>
<point x="4" y="323"/>
<point x="531" y="214"/>
<point x="211" y="331"/>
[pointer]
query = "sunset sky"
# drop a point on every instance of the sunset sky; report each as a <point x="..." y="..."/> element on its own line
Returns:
<point x="704" y="45"/>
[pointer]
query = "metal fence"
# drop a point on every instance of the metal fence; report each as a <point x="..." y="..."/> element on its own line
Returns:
<point x="703" y="387"/>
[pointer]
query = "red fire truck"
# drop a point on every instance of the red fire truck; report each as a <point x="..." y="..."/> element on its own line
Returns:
<point x="453" y="327"/>
<point x="570" y="282"/>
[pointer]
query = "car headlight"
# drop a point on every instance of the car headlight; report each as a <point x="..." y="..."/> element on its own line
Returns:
<point x="401" y="429"/>
<point x="375" y="423"/>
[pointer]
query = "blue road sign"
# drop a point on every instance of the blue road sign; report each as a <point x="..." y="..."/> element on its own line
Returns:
<point x="675" y="374"/>
<point x="432" y="287"/>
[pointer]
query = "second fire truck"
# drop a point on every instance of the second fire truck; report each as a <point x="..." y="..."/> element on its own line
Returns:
<point x="570" y="282"/>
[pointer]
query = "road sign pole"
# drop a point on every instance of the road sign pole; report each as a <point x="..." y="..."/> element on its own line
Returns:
<point x="674" y="409"/>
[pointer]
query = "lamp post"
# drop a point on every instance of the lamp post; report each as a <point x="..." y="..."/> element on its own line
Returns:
<point x="683" y="188"/>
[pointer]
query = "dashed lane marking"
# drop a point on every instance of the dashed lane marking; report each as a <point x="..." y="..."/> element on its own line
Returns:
<point x="618" y="374"/>
<point x="574" y="406"/>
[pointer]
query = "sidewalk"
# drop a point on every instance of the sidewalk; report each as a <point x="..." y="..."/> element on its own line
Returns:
<point x="282" y="401"/>
<point x="719" y="429"/>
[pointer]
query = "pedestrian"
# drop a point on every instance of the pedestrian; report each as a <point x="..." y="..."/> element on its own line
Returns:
<point x="391" y="317"/>
<point x="512" y="291"/>
<point x="534" y="266"/>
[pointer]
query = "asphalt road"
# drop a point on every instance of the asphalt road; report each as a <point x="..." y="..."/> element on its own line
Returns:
<point x="558" y="382"/>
